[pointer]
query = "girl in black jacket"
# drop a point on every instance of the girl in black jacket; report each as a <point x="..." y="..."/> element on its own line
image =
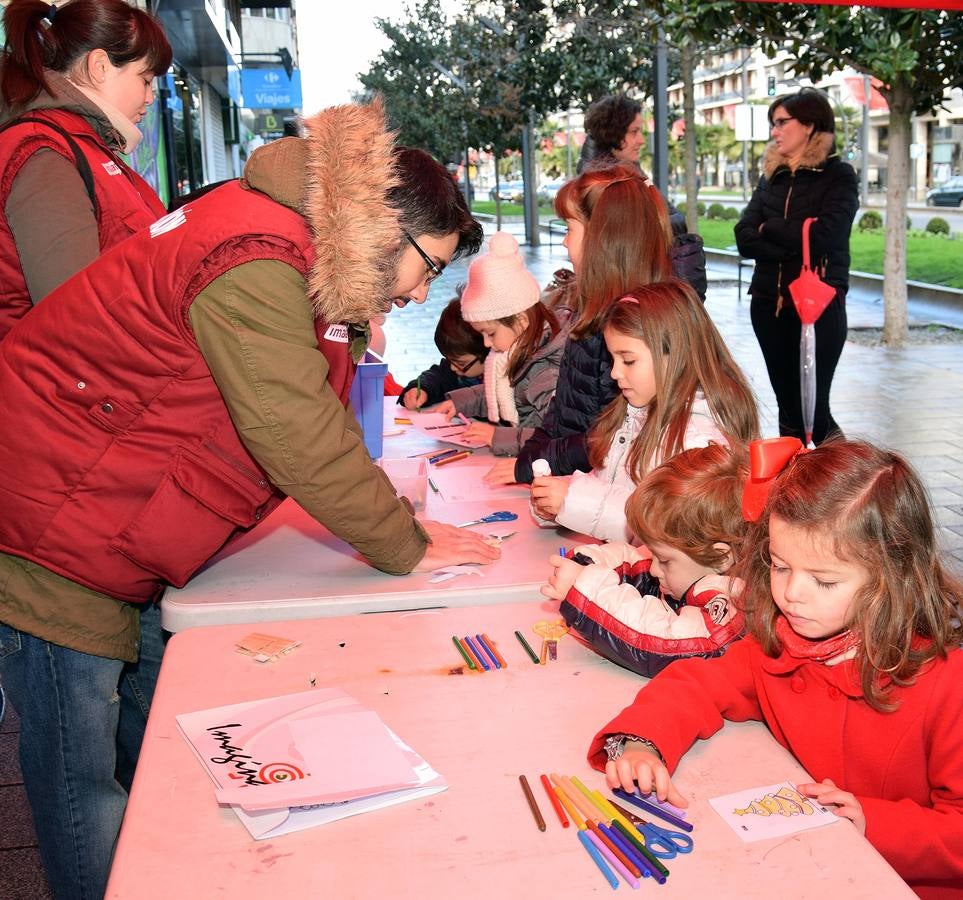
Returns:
<point x="803" y="178"/>
<point x="618" y="239"/>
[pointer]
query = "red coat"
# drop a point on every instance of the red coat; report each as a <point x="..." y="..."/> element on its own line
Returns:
<point x="142" y="476"/>
<point x="905" y="767"/>
<point x="125" y="202"/>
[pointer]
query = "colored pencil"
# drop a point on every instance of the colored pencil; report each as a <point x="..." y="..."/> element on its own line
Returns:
<point x="605" y="849"/>
<point x="528" y="649"/>
<point x="572" y="811"/>
<point x="474" y="658"/>
<point x="441" y="454"/>
<point x="586" y="841"/>
<point x="652" y="808"/>
<point x="477" y="653"/>
<point x="494" y="649"/>
<point x="532" y="805"/>
<point x="616" y="837"/>
<point x="576" y="799"/>
<point x="433" y="486"/>
<point x="615" y="851"/>
<point x="542" y="659"/>
<point x="461" y="650"/>
<point x="450" y="459"/>
<point x="554" y="800"/>
<point x="659" y="871"/>
<point x="480" y="640"/>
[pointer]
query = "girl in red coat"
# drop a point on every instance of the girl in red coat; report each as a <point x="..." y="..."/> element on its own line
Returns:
<point x="854" y="628"/>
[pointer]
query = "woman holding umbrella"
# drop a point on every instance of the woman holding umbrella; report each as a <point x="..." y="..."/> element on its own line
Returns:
<point x="803" y="178"/>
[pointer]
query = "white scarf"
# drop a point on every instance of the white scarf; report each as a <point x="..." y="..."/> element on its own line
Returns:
<point x="129" y="132"/>
<point x="499" y="393"/>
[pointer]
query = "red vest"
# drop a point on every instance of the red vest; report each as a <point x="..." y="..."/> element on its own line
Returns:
<point x="125" y="202"/>
<point x="120" y="467"/>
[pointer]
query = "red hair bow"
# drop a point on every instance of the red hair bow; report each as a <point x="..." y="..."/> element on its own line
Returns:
<point x="767" y="458"/>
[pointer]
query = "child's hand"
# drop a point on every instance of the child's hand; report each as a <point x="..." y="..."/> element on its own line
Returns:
<point x="484" y="432"/>
<point x="564" y="573"/>
<point x="447" y="409"/>
<point x="827" y="794"/>
<point x="503" y="472"/>
<point x="639" y="765"/>
<point x="414" y="398"/>
<point x="548" y="495"/>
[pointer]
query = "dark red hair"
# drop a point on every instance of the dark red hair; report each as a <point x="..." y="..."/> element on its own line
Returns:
<point x="37" y="41"/>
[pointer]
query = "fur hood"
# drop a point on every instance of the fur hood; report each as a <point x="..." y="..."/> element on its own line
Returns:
<point x="338" y="177"/>
<point x="822" y="145"/>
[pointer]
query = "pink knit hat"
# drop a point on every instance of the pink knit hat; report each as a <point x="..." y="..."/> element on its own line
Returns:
<point x="499" y="285"/>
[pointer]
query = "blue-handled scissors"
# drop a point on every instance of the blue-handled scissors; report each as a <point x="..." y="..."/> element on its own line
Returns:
<point x="662" y="843"/>
<point x="501" y="516"/>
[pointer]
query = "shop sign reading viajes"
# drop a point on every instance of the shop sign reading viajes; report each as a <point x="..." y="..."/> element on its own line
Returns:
<point x="271" y="89"/>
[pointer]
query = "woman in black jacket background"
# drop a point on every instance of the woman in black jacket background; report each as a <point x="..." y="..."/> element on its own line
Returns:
<point x="803" y="177"/>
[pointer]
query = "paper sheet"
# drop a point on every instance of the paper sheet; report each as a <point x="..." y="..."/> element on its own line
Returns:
<point x="438" y="428"/>
<point x="773" y="810"/>
<point x="462" y="481"/>
<point x="221" y="739"/>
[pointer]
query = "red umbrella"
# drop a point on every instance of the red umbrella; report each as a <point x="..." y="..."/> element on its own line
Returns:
<point x="811" y="296"/>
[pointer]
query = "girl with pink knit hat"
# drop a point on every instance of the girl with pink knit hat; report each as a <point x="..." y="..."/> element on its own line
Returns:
<point x="526" y="339"/>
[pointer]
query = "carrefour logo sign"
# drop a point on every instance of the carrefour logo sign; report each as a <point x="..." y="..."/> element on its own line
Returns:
<point x="270" y="89"/>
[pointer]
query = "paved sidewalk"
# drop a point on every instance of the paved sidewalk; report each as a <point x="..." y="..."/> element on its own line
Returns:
<point x="910" y="400"/>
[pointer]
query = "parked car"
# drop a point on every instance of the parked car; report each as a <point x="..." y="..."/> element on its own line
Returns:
<point x="950" y="193"/>
<point x="548" y="190"/>
<point x="509" y="190"/>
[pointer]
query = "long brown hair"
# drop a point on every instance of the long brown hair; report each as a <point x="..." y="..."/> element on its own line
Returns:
<point x="528" y="342"/>
<point x="37" y="40"/>
<point x="692" y="502"/>
<point x="626" y="243"/>
<point x="688" y="354"/>
<point x="875" y="509"/>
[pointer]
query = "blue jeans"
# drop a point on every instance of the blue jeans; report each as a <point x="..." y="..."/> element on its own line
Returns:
<point x="82" y="723"/>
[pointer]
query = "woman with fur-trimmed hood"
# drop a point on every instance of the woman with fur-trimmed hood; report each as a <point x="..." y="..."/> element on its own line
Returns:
<point x="803" y="178"/>
<point x="170" y="395"/>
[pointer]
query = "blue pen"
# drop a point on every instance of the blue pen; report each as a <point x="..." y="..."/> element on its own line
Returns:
<point x="484" y="645"/>
<point x="650" y="807"/>
<point x="478" y="653"/>
<point x="599" y="861"/>
<point x="613" y="835"/>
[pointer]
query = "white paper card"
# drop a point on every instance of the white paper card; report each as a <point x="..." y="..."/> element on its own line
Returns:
<point x="773" y="810"/>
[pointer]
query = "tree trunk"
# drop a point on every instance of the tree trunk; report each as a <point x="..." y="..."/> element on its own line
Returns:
<point x="900" y="99"/>
<point x="688" y="114"/>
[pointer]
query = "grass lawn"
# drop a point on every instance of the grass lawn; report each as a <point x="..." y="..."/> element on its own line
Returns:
<point x="510" y="209"/>
<point x="929" y="258"/>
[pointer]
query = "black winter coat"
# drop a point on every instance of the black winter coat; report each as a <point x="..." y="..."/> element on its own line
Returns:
<point x="584" y="388"/>
<point x="437" y="381"/>
<point x="822" y="187"/>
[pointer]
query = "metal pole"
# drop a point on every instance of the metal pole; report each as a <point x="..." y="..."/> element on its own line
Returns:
<point x="568" y="144"/>
<point x="467" y="178"/>
<point x="745" y="144"/>
<point x="528" y="170"/>
<point x="660" y="149"/>
<point x="864" y="140"/>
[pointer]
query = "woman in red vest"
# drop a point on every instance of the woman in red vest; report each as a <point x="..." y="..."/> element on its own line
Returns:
<point x="75" y="81"/>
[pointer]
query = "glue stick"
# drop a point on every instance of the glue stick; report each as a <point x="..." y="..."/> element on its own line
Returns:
<point x="541" y="468"/>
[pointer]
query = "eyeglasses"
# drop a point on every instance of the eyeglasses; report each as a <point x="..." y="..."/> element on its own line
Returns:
<point x="781" y="122"/>
<point x="433" y="268"/>
<point x="462" y="368"/>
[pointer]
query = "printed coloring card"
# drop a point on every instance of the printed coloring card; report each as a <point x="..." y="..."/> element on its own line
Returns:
<point x="771" y="811"/>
